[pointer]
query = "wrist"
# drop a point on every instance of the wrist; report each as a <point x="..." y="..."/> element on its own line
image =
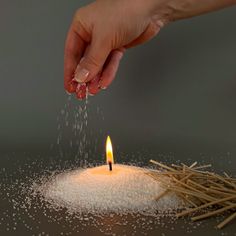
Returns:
<point x="172" y="10"/>
<point x="159" y="11"/>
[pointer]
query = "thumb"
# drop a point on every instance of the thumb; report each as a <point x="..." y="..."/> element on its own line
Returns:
<point x="92" y="62"/>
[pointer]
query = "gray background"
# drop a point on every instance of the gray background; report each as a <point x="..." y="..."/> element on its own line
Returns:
<point x="176" y="93"/>
<point x="173" y="97"/>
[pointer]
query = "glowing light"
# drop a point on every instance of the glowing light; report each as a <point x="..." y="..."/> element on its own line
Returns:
<point x="109" y="152"/>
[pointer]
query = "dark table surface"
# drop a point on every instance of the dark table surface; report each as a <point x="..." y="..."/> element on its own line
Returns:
<point x="19" y="167"/>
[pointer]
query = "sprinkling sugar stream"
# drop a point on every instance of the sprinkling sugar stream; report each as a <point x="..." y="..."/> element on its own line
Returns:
<point x="77" y="139"/>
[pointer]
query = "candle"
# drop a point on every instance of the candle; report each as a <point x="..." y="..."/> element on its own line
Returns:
<point x="121" y="189"/>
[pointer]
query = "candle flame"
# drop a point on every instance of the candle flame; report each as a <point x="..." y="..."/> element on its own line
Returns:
<point x="109" y="152"/>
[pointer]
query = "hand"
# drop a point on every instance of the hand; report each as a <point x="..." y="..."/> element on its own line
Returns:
<point x="102" y="31"/>
<point x="98" y="37"/>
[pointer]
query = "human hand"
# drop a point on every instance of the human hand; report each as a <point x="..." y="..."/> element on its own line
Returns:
<point x="102" y="31"/>
<point x="98" y="37"/>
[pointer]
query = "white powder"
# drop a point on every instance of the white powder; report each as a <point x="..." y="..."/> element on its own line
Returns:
<point x="82" y="201"/>
<point x="126" y="189"/>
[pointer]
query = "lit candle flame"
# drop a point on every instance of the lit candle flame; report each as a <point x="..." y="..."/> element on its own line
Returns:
<point x="109" y="152"/>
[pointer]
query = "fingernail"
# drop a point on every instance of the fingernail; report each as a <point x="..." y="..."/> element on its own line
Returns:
<point x="81" y="91"/>
<point x="71" y="88"/>
<point x="80" y="86"/>
<point x="81" y="74"/>
<point x="90" y="94"/>
<point x="101" y="87"/>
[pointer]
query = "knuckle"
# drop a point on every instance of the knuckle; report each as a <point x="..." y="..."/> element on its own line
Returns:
<point x="79" y="13"/>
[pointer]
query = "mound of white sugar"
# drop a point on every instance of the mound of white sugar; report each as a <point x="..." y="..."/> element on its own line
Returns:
<point x="126" y="189"/>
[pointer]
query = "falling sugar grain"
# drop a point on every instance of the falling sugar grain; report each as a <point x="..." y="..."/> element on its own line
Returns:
<point x="76" y="138"/>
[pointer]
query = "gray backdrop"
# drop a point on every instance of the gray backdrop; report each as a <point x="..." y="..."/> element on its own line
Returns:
<point x="174" y="97"/>
<point x="176" y="94"/>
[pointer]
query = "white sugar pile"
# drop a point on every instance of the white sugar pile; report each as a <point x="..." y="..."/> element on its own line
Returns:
<point x="127" y="189"/>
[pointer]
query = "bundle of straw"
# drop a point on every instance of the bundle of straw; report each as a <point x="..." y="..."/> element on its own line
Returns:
<point x="200" y="189"/>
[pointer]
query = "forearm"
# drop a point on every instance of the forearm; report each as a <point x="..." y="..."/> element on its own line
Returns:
<point x="172" y="10"/>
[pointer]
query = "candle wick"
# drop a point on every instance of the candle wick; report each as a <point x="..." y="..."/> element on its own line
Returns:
<point x="110" y="165"/>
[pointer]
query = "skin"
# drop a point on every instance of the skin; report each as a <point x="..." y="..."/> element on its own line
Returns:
<point x="101" y="32"/>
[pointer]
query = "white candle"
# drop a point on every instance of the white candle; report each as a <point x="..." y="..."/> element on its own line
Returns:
<point x="125" y="189"/>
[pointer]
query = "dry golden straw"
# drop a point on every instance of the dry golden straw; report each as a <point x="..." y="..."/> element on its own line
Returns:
<point x="200" y="189"/>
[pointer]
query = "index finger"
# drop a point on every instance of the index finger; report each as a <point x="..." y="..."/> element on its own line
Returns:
<point x="74" y="49"/>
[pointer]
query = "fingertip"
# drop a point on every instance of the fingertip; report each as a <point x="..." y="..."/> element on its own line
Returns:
<point x="93" y="92"/>
<point x="103" y="87"/>
<point x="71" y="86"/>
<point x="93" y="86"/>
<point x="103" y="83"/>
<point x="81" y="91"/>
